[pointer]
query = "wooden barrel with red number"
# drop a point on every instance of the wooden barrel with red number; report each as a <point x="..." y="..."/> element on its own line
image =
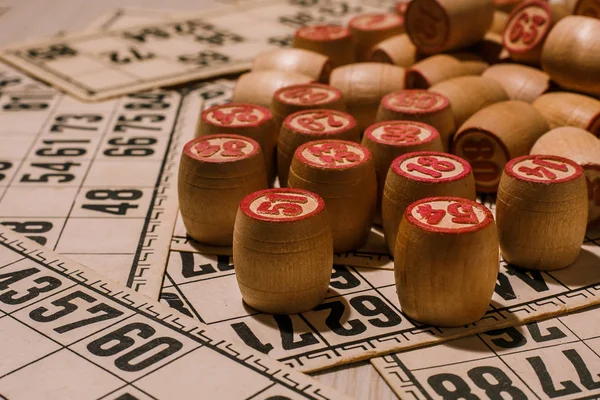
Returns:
<point x="526" y="31"/>
<point x="215" y="173"/>
<point x="343" y="174"/>
<point x="541" y="210"/>
<point x="446" y="261"/>
<point x="282" y="250"/>
<point x="304" y="126"/>
<point x="294" y="98"/>
<point x="332" y="41"/>
<point x="496" y="134"/>
<point x="420" y="106"/>
<point x="369" y="29"/>
<point x="437" y="26"/>
<point x="248" y="120"/>
<point x="418" y="175"/>
<point x="389" y="139"/>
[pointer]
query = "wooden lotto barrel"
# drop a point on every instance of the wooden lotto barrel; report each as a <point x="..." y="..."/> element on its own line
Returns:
<point x="258" y="87"/>
<point x="369" y="29"/>
<point x="441" y="67"/>
<point x="526" y="31"/>
<point x="519" y="81"/>
<point x="570" y="109"/>
<point x="389" y="139"/>
<point x="571" y="54"/>
<point x="291" y="99"/>
<point x="446" y="261"/>
<point x="496" y="134"/>
<point x="343" y="174"/>
<point x="541" y="210"/>
<point x="587" y="8"/>
<point x="397" y="50"/>
<point x="469" y="94"/>
<point x="248" y="120"/>
<point x="299" y="61"/>
<point x="305" y="126"/>
<point x="499" y="22"/>
<point x="334" y="42"/>
<point x="436" y="26"/>
<point x="415" y="176"/>
<point x="215" y="173"/>
<point x="420" y="106"/>
<point x="582" y="147"/>
<point x="363" y="85"/>
<point x="282" y="250"/>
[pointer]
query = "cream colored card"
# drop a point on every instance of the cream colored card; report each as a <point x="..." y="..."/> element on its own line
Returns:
<point x="361" y="317"/>
<point x="556" y="358"/>
<point x="96" y="182"/>
<point x="104" y="64"/>
<point x="66" y="332"/>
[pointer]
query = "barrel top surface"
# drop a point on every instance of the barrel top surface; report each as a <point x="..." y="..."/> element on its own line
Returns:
<point x="319" y="122"/>
<point x="450" y="215"/>
<point x="376" y="21"/>
<point x="527" y="25"/>
<point x="221" y="148"/>
<point x="415" y="101"/>
<point x="308" y="94"/>
<point x="543" y="169"/>
<point x="427" y="24"/>
<point x="323" y="33"/>
<point x="332" y="154"/>
<point x="236" y="115"/>
<point x="401" y="133"/>
<point x="282" y="205"/>
<point x="431" y="167"/>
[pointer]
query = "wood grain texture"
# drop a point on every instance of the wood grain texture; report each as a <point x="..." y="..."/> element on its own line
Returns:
<point x="248" y="120"/>
<point x="343" y="174"/>
<point x="436" y="26"/>
<point x="282" y="250"/>
<point x="332" y="41"/>
<point x="369" y="29"/>
<point x="469" y="94"/>
<point x="519" y="81"/>
<point x="446" y="261"/>
<point x="299" y="61"/>
<point x="496" y="134"/>
<point x="415" y="176"/>
<point x="223" y="167"/>
<point x="441" y="67"/>
<point x="582" y="147"/>
<point x="258" y="87"/>
<point x="571" y="54"/>
<point x="541" y="211"/>
<point x="397" y="50"/>
<point x="363" y="85"/>
<point x="570" y="109"/>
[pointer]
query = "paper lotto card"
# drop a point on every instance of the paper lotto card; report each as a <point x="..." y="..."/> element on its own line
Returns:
<point x="68" y="333"/>
<point x="103" y="64"/>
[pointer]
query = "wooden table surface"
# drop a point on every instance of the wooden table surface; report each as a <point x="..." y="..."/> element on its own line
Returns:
<point x="23" y="20"/>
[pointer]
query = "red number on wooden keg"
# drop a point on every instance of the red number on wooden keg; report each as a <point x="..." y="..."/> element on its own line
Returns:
<point x="233" y="148"/>
<point x="436" y="165"/>
<point x="422" y="100"/>
<point x="432" y="216"/>
<point x="518" y="30"/>
<point x="242" y="114"/>
<point x="340" y="153"/>
<point x="305" y="95"/>
<point x="401" y="133"/>
<point x="287" y="204"/>
<point x="543" y="169"/>
<point x="312" y="122"/>
<point x="205" y="149"/>
<point x="425" y="24"/>
<point x="463" y="213"/>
